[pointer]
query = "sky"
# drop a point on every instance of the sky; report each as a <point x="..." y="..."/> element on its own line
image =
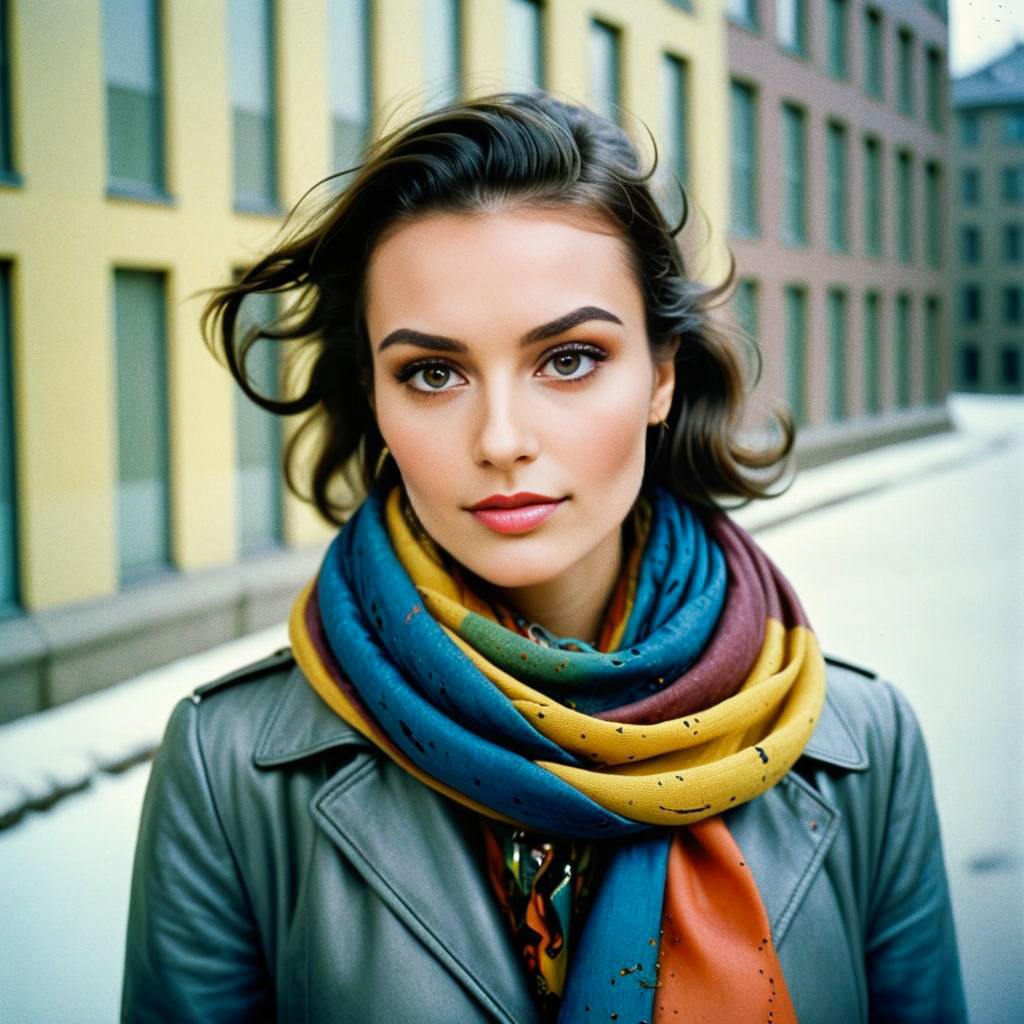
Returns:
<point x="982" y="29"/>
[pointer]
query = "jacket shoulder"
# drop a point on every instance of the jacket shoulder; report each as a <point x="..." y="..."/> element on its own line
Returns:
<point x="280" y="662"/>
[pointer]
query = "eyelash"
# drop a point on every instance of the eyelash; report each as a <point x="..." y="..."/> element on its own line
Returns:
<point x="598" y="355"/>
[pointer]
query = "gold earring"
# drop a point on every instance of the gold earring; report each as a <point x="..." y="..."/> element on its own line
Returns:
<point x="385" y="452"/>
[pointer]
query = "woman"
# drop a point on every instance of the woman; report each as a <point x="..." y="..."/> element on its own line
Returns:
<point x="554" y="740"/>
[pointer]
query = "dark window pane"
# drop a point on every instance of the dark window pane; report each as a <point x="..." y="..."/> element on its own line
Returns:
<point x="251" y="64"/>
<point x="605" y="70"/>
<point x="794" y="175"/>
<point x="796" y="351"/>
<point x="142" y="455"/>
<point x="525" y="44"/>
<point x="348" y="70"/>
<point x="131" y="55"/>
<point x="970" y="186"/>
<point x="8" y="500"/>
<point x="970" y="365"/>
<point x="258" y="436"/>
<point x="442" y="50"/>
<point x="872" y="343"/>
<point x="743" y="160"/>
<point x="1009" y="367"/>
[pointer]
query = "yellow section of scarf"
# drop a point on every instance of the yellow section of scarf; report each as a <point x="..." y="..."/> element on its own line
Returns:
<point x="669" y="773"/>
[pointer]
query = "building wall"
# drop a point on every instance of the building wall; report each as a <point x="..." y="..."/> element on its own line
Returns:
<point x="76" y="626"/>
<point x="779" y="77"/>
<point x="989" y="347"/>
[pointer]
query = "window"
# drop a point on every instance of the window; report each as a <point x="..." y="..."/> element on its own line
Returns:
<point x="836" y="306"/>
<point x="673" y="163"/>
<point x="935" y="86"/>
<point x="1013" y="183"/>
<point x="135" y="116"/>
<point x="605" y="70"/>
<point x="1012" y="243"/>
<point x="794" y="175"/>
<point x="442" y="50"/>
<point x="836" y="184"/>
<point x="796" y="350"/>
<point x="742" y="12"/>
<point x="142" y="443"/>
<point x="1009" y="367"/>
<point x="905" y="72"/>
<point x="744" y="175"/>
<point x="872" y="344"/>
<point x="1013" y="127"/>
<point x="838" y="12"/>
<point x="1012" y="304"/>
<point x="970" y="244"/>
<point x="970" y="128"/>
<point x="933" y="349"/>
<point x="8" y="517"/>
<point x="7" y="171"/>
<point x="746" y="305"/>
<point x="970" y="186"/>
<point x="970" y="365"/>
<point x="348" y="78"/>
<point x="253" y="105"/>
<point x="874" y="54"/>
<point x="675" y="104"/>
<point x="258" y="437"/>
<point x="970" y="304"/>
<point x="904" y="207"/>
<point x="873" y="198"/>
<point x="791" y="25"/>
<point x="524" y="44"/>
<point x="901" y="368"/>
<point x="934" y="209"/>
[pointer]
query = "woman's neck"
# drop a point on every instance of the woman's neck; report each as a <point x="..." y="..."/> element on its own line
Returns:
<point x="573" y="604"/>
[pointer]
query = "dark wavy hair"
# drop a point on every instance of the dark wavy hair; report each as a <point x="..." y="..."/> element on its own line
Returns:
<point x="528" y="150"/>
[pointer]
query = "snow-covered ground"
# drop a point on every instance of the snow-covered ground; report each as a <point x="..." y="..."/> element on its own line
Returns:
<point x="909" y="560"/>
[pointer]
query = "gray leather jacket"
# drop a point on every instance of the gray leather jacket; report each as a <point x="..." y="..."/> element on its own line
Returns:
<point x="285" y="869"/>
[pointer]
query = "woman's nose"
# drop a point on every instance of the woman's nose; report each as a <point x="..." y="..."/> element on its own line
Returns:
<point x="506" y="433"/>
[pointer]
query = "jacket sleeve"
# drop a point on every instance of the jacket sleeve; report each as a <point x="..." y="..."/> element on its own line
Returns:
<point x="193" y="952"/>
<point x="913" y="965"/>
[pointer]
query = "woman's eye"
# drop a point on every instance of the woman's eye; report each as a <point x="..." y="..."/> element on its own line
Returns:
<point x="571" y="364"/>
<point x="433" y="377"/>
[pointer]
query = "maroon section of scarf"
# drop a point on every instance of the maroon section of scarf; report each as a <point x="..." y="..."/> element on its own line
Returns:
<point x="756" y="591"/>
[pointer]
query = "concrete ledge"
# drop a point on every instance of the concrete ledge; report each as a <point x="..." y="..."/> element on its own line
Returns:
<point x="827" y="442"/>
<point x="51" y="657"/>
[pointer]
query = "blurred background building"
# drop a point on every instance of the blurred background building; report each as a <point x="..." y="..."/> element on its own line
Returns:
<point x="988" y="211"/>
<point x="149" y="147"/>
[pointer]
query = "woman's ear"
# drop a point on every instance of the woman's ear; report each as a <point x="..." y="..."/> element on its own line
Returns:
<point x="664" y="384"/>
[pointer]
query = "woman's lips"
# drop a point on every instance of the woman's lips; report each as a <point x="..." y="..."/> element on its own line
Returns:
<point x="520" y="519"/>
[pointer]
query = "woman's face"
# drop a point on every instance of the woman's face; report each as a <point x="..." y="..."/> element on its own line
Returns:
<point x="514" y="384"/>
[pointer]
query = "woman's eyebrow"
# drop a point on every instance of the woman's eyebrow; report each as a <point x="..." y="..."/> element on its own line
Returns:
<point x="440" y="343"/>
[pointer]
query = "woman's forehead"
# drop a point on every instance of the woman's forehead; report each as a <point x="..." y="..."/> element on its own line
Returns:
<point x="450" y="266"/>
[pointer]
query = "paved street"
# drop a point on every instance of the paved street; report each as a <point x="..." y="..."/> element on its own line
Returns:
<point x="921" y="578"/>
<point x="924" y="583"/>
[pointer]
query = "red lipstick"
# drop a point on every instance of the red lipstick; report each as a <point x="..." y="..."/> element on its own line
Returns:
<point x="514" y="513"/>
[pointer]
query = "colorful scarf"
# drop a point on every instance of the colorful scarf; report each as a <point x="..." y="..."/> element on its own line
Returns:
<point x="712" y="689"/>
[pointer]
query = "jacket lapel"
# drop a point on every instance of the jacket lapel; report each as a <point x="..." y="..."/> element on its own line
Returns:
<point x="786" y="833"/>
<point x="410" y="846"/>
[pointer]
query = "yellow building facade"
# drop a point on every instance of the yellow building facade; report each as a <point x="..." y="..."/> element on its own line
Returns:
<point x="76" y="238"/>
